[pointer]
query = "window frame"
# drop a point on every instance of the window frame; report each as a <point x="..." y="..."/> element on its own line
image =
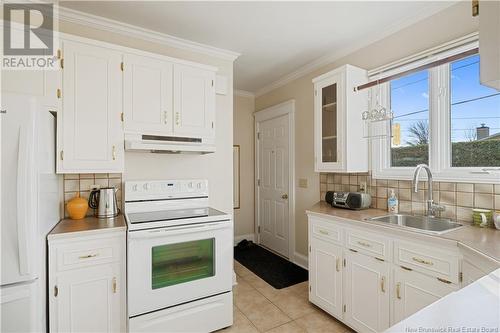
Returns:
<point x="439" y="126"/>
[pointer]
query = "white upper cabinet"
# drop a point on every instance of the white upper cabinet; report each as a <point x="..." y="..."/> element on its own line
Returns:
<point x="90" y="134"/>
<point x="194" y="101"/>
<point x="338" y="128"/>
<point x="489" y="43"/>
<point x="147" y="95"/>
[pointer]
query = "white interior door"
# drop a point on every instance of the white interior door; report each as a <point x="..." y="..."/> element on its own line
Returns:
<point x="273" y="190"/>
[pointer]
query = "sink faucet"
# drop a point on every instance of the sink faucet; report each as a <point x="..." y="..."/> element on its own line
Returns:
<point x="432" y="208"/>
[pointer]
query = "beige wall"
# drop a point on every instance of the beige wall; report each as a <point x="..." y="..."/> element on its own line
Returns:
<point x="216" y="167"/>
<point x="454" y="22"/>
<point x="244" y="137"/>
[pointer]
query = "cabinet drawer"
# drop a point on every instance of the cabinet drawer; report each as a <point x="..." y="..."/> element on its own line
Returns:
<point x="325" y="231"/>
<point x="428" y="260"/>
<point x="91" y="252"/>
<point x="368" y="244"/>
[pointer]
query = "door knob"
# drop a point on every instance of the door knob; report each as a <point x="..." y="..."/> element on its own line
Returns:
<point x="284" y="196"/>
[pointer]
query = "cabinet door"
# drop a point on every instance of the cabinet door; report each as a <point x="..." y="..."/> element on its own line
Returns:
<point x="147" y="95"/>
<point x="325" y="276"/>
<point x="88" y="300"/>
<point x="367" y="293"/>
<point x="328" y="108"/>
<point x="194" y="101"/>
<point x="414" y="291"/>
<point x="90" y="133"/>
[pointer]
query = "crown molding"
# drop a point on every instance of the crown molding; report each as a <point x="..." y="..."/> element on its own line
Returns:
<point x="106" y="24"/>
<point x="398" y="25"/>
<point x="243" y="93"/>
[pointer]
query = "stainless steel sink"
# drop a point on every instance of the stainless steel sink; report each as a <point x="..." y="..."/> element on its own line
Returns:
<point x="425" y="224"/>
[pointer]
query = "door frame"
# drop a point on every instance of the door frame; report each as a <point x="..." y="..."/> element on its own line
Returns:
<point x="281" y="109"/>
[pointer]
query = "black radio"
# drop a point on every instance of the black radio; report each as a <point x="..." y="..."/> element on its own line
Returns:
<point x="350" y="200"/>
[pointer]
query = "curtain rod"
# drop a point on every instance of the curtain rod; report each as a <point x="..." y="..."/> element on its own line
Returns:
<point x="419" y="68"/>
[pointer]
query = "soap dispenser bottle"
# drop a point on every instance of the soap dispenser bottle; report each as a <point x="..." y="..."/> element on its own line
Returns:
<point x="393" y="203"/>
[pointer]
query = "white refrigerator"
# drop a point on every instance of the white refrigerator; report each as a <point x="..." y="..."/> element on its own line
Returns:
<point x="29" y="206"/>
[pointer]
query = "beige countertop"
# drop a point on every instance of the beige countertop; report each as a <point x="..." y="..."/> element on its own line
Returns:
<point x="87" y="225"/>
<point x="474" y="308"/>
<point x="483" y="240"/>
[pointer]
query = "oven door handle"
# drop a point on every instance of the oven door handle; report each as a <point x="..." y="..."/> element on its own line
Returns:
<point x="162" y="232"/>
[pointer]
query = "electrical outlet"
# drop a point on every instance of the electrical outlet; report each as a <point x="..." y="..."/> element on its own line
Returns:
<point x="303" y="182"/>
<point x="362" y="187"/>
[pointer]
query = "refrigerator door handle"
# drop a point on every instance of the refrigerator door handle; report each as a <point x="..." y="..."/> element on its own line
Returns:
<point x="21" y="206"/>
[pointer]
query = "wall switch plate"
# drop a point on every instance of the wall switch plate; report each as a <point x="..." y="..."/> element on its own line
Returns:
<point x="303" y="182"/>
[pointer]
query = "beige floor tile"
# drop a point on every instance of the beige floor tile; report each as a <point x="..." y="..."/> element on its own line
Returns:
<point x="320" y="322"/>
<point x="300" y="288"/>
<point x="290" y="327"/>
<point x="255" y="281"/>
<point x="293" y="305"/>
<point x="241" y="324"/>
<point x="250" y="298"/>
<point x="265" y="316"/>
<point x="241" y="287"/>
<point x="241" y="270"/>
<point x="272" y="293"/>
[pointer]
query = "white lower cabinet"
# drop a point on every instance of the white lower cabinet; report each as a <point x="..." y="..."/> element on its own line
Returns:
<point x="325" y="276"/>
<point x="88" y="299"/>
<point x="86" y="283"/>
<point x="414" y="291"/>
<point x="357" y="274"/>
<point x="367" y="298"/>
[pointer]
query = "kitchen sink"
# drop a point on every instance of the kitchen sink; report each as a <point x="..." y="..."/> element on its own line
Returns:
<point x="434" y="225"/>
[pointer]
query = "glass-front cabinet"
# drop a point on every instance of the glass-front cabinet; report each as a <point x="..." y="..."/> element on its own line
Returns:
<point x="338" y="135"/>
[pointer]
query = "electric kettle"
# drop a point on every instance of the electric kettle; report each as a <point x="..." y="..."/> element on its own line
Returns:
<point x="103" y="200"/>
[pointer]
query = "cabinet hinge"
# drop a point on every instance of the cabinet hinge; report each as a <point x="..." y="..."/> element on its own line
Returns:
<point x="122" y="66"/>
<point x="475" y="7"/>
<point x="58" y="93"/>
<point x="258" y="229"/>
<point x="212" y="83"/>
<point x="344" y="308"/>
<point x="122" y="116"/>
<point x="258" y="182"/>
<point x="344" y="263"/>
<point x="62" y="154"/>
<point x="460" y="276"/>
<point x="59" y="54"/>
<point x="56" y="291"/>
<point x="406" y="268"/>
<point x="212" y="124"/>
<point x="258" y="135"/>
<point x="309" y="248"/>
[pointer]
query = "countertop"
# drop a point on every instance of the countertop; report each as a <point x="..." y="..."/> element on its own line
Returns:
<point x="87" y="225"/>
<point x="477" y="304"/>
<point x="484" y="240"/>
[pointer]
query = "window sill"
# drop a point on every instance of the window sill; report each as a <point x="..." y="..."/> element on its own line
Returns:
<point x="452" y="176"/>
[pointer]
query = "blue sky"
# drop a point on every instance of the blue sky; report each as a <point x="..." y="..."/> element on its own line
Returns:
<point x="410" y="98"/>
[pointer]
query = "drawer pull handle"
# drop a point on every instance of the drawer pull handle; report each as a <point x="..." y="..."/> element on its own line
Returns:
<point x="323" y="232"/>
<point x="422" y="261"/>
<point x="88" y="256"/>
<point x="398" y="290"/>
<point x="406" y="268"/>
<point x="364" y="244"/>
<point x="353" y="250"/>
<point x="382" y="284"/>
<point x="444" y="281"/>
<point x="114" y="285"/>
<point x="337" y="264"/>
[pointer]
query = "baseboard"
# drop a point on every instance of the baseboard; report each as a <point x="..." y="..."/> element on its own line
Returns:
<point x="239" y="238"/>
<point x="301" y="260"/>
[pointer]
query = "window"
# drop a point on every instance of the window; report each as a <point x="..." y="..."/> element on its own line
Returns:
<point x="443" y="117"/>
<point x="409" y="101"/>
<point x="474" y="117"/>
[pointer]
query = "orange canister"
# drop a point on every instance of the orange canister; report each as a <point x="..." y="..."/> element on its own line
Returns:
<point x="77" y="207"/>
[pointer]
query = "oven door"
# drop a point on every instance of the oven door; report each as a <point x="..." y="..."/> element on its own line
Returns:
<point x="170" y="266"/>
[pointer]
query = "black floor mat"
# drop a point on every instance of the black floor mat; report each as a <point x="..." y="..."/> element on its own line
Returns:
<point x="275" y="270"/>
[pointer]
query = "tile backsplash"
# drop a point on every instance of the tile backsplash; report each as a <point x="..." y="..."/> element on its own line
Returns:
<point x="458" y="198"/>
<point x="82" y="183"/>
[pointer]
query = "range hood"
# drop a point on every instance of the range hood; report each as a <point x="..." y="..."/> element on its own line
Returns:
<point x="168" y="144"/>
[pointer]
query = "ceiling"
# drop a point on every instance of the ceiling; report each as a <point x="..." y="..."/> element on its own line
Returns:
<point x="274" y="38"/>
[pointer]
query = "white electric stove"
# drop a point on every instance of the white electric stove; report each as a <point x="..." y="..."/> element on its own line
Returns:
<point x="180" y="258"/>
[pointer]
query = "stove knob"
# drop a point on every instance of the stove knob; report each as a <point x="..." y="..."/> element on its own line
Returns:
<point x="190" y="185"/>
<point x="146" y="186"/>
<point x="199" y="185"/>
<point x="134" y="188"/>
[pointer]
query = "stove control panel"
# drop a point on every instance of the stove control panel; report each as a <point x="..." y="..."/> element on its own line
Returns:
<point x="165" y="189"/>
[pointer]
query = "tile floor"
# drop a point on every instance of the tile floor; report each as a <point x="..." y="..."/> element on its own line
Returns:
<point x="258" y="307"/>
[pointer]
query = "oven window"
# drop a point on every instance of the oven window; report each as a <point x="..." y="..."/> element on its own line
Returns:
<point x="182" y="262"/>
